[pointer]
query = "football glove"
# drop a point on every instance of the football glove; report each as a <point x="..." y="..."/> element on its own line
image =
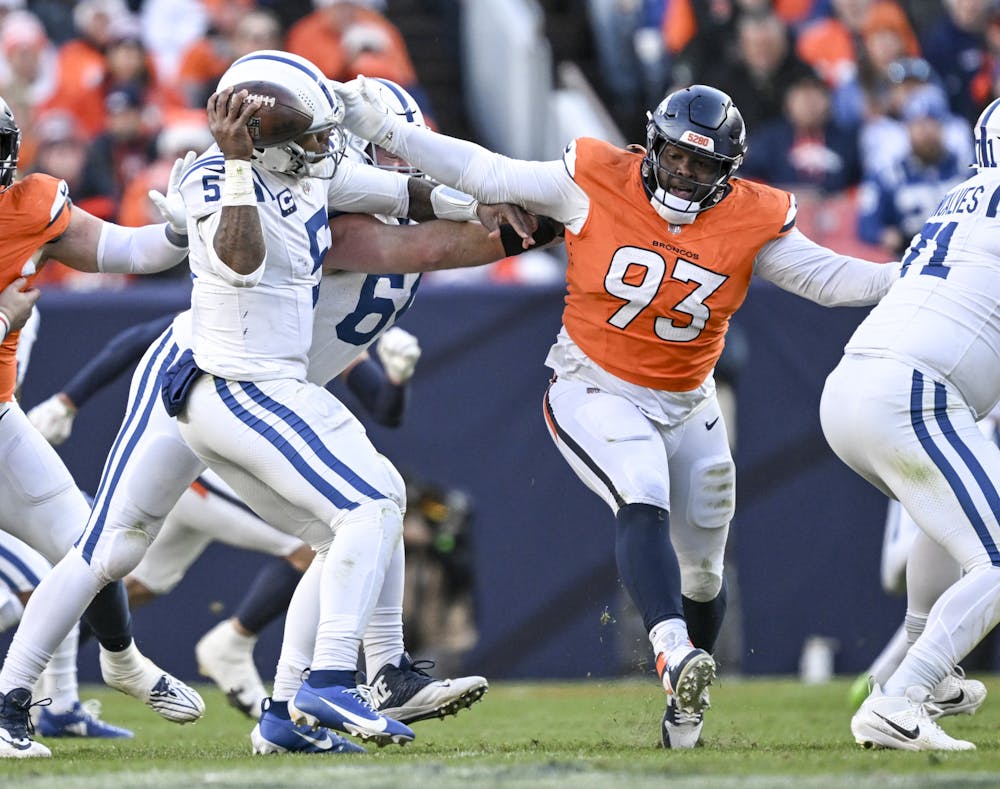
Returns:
<point x="399" y="352"/>
<point x="171" y="204"/>
<point x="53" y="418"/>
<point x="362" y="115"/>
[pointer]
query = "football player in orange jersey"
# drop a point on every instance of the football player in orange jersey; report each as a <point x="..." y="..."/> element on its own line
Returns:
<point x="662" y="243"/>
<point x="39" y="502"/>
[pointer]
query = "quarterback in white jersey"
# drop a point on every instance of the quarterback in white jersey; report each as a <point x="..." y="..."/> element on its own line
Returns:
<point x="901" y="410"/>
<point x="132" y="501"/>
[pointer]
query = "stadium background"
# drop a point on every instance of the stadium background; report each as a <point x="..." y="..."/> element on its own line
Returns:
<point x="808" y="532"/>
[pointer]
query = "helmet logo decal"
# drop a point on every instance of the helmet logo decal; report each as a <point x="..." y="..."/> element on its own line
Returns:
<point x="698" y="140"/>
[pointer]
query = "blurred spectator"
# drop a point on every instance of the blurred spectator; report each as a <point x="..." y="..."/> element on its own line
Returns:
<point x="127" y="65"/>
<point x="831" y="46"/>
<point x="804" y="148"/>
<point x="29" y="79"/>
<point x="884" y="139"/>
<point x="630" y="52"/>
<point x="886" y="37"/>
<point x="237" y="28"/>
<point x="176" y="139"/>
<point x="698" y="34"/>
<point x="81" y="60"/>
<point x="955" y="45"/>
<point x="345" y="38"/>
<point x="169" y="27"/>
<point x="895" y="203"/>
<point x="758" y="70"/>
<point x="125" y="148"/>
<point x="985" y="85"/>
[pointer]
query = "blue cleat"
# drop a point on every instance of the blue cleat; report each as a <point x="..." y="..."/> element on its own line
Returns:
<point x="81" y="721"/>
<point x="348" y="710"/>
<point x="275" y="733"/>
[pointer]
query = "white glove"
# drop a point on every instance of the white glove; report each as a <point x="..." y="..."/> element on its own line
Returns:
<point x="363" y="116"/>
<point x="171" y="205"/>
<point x="399" y="352"/>
<point x="53" y="418"/>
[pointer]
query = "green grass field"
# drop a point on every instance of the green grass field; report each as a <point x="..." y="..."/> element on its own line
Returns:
<point x="773" y="733"/>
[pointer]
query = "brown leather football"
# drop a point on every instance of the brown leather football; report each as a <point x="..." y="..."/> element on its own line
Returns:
<point x="282" y="117"/>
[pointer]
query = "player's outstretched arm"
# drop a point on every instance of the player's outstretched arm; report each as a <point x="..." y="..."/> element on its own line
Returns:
<point x="362" y="243"/>
<point x="384" y="390"/>
<point x="15" y="306"/>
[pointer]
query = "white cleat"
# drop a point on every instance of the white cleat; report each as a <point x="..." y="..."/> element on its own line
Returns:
<point x="407" y="693"/>
<point x="901" y="723"/>
<point x="136" y="675"/>
<point x="681" y="730"/>
<point x="956" y="695"/>
<point x="226" y="658"/>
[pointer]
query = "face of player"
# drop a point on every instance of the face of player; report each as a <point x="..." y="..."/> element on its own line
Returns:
<point x="317" y="142"/>
<point x="686" y="174"/>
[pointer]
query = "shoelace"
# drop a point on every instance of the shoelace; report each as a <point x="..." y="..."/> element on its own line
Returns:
<point x="422" y="666"/>
<point x="23" y="712"/>
<point x="363" y="693"/>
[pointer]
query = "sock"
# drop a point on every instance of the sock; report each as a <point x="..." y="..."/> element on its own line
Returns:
<point x="704" y="620"/>
<point x="299" y="638"/>
<point x="58" y="681"/>
<point x="647" y="563"/>
<point x="383" y="641"/>
<point x="233" y="640"/>
<point x="352" y="579"/>
<point x="891" y="656"/>
<point x="109" y="617"/>
<point x="269" y="595"/>
<point x="957" y="623"/>
<point x="914" y="624"/>
<point x="667" y="635"/>
<point x="328" y="678"/>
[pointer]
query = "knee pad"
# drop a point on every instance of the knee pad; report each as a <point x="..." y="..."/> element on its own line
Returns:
<point x="396" y="486"/>
<point x="119" y="552"/>
<point x="700" y="584"/>
<point x="712" y="498"/>
<point x="385" y="514"/>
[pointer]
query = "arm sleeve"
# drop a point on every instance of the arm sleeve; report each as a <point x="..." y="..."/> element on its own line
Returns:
<point x="384" y="400"/>
<point x="122" y="352"/>
<point x="138" y="250"/>
<point x="542" y="187"/>
<point x="362" y="189"/>
<point x="803" y="267"/>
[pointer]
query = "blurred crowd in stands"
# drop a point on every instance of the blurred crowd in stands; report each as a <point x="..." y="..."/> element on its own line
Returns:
<point x="863" y="108"/>
<point x="108" y="93"/>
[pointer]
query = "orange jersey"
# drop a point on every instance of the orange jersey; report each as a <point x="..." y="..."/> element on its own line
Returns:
<point x="32" y="213"/>
<point x="648" y="304"/>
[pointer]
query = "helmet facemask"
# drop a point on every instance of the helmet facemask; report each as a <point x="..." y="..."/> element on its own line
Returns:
<point x="291" y="158"/>
<point x="10" y="145"/>
<point x="695" y="142"/>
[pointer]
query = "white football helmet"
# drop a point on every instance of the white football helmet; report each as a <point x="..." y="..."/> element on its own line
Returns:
<point x="392" y="99"/>
<point x="309" y="83"/>
<point x="987" y="137"/>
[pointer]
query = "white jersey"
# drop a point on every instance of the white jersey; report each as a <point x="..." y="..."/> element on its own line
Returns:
<point x="943" y="315"/>
<point x="352" y="311"/>
<point x="262" y="332"/>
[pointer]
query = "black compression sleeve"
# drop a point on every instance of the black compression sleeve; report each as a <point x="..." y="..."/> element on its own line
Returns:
<point x="384" y="400"/>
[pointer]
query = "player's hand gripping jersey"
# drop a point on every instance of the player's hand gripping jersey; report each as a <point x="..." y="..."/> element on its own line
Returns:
<point x="33" y="212"/>
<point x="649" y="304"/>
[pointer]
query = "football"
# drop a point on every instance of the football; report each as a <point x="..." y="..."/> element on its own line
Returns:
<point x="282" y="117"/>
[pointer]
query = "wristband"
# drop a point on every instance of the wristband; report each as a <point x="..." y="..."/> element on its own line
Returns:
<point x="238" y="186"/>
<point x="455" y="206"/>
<point x="4" y="327"/>
<point x="546" y="232"/>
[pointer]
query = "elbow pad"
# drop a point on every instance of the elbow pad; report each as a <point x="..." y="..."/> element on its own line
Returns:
<point x="455" y="206"/>
<point x="139" y="250"/>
